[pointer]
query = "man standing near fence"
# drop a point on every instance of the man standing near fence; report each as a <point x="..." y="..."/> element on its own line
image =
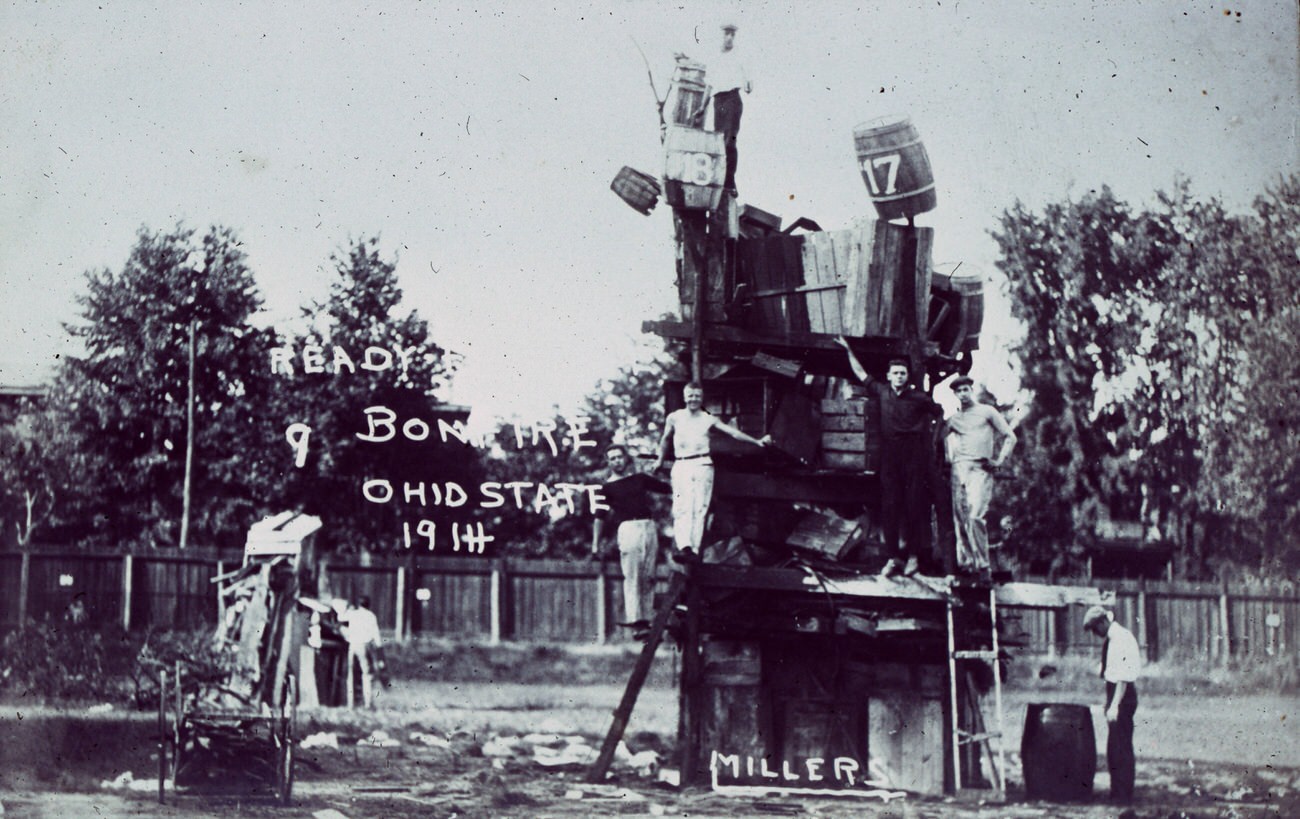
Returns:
<point x="627" y="493"/>
<point x="1119" y="668"/>
<point x="361" y="631"/>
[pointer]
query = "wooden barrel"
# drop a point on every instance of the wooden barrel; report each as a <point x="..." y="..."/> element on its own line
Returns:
<point x="895" y="167"/>
<point x="689" y="93"/>
<point x="640" y="190"/>
<point x="956" y="309"/>
<point x="1058" y="752"/>
<point x="693" y="168"/>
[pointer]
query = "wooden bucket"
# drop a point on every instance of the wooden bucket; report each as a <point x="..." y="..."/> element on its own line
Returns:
<point x="895" y="167"/>
<point x="1058" y="751"/>
<point x="639" y="190"/>
<point x="956" y="310"/>
<point x="689" y="93"/>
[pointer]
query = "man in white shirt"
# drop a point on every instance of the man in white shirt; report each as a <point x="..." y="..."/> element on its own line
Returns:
<point x="971" y="434"/>
<point x="686" y="434"/>
<point x="727" y="76"/>
<point x="1119" y="668"/>
<point x="361" y="630"/>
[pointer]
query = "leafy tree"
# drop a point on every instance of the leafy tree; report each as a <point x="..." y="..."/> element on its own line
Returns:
<point x="1153" y="345"/>
<point x="124" y="401"/>
<point x="361" y="312"/>
<point x="32" y="454"/>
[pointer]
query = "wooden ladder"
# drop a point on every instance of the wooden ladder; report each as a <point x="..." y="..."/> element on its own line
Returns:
<point x="599" y="768"/>
<point x="980" y="734"/>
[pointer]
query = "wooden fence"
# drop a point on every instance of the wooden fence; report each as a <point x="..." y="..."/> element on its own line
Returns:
<point x="580" y="601"/>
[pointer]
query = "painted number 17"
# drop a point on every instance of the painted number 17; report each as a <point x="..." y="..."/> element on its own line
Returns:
<point x="871" y="165"/>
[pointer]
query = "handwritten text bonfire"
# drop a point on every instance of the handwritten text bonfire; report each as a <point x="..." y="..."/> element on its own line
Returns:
<point x="381" y="425"/>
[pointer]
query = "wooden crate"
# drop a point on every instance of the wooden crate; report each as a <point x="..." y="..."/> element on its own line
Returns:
<point x="844" y="434"/>
<point x="867" y="281"/>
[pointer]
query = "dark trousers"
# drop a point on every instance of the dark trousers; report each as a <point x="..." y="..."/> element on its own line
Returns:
<point x="1119" y="744"/>
<point x="727" y="108"/>
<point x="904" y="502"/>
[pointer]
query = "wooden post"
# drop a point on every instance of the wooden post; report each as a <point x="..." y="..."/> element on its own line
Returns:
<point x="221" y="599"/>
<point x="1225" y="626"/>
<point x="496" y="593"/>
<point x="1143" y="621"/>
<point x="691" y="700"/>
<point x="1051" y="634"/>
<point x="1061" y="629"/>
<point x="128" y="567"/>
<point x="399" y="625"/>
<point x="189" y="445"/>
<point x="602" y="624"/>
<point x="24" y="588"/>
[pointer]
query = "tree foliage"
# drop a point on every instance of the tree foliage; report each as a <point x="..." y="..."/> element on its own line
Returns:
<point x="124" y="402"/>
<point x="1158" y="351"/>
<point x="363" y="310"/>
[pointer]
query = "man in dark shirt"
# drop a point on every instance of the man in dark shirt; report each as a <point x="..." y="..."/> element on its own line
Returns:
<point x="628" y="496"/>
<point x="906" y="418"/>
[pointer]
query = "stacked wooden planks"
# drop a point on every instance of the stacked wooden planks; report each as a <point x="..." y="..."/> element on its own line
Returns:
<point x="871" y="280"/>
<point x="844" y="436"/>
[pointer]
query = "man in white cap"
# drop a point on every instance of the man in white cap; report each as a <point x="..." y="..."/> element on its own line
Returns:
<point x="1119" y="668"/>
<point x="727" y="76"/>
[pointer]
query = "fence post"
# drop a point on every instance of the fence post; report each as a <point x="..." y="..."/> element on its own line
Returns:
<point x="128" y="567"/>
<point x="24" y="587"/>
<point x="496" y="593"/>
<point x="602" y="627"/>
<point x="1061" y="630"/>
<point x="1225" y="624"/>
<point x="1143" y="622"/>
<point x="399" y="627"/>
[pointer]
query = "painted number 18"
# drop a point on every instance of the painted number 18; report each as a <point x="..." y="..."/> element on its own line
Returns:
<point x="871" y="165"/>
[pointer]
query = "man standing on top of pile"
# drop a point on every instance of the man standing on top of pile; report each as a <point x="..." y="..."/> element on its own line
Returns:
<point x="969" y="438"/>
<point x="726" y="74"/>
<point x="686" y="432"/>
<point x="906" y="415"/>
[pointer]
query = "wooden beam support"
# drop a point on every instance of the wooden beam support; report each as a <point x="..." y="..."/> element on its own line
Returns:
<point x="1040" y="595"/>
<point x="793" y="580"/>
<point x="792" y="338"/>
<point x="823" y="487"/>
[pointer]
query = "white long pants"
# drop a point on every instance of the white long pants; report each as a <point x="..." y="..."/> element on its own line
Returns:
<point x="692" y="492"/>
<point x="359" y="656"/>
<point x="972" y="490"/>
<point x="638" y="549"/>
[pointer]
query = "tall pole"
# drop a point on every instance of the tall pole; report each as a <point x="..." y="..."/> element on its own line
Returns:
<point x="189" y="445"/>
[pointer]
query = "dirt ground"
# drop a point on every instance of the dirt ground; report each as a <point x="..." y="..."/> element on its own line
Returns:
<point x="475" y="748"/>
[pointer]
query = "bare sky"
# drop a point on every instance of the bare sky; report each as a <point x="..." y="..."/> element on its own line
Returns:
<point x="480" y="143"/>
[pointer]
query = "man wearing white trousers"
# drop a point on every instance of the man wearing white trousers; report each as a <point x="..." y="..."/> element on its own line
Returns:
<point x="686" y="431"/>
<point x="627" y="494"/>
<point x="971" y="434"/>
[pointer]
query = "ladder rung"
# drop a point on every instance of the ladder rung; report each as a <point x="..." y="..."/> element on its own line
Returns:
<point x="967" y="737"/>
<point x="975" y="655"/>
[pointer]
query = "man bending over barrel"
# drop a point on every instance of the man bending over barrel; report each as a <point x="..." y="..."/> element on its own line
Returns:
<point x="687" y="431"/>
<point x="1119" y="668"/>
